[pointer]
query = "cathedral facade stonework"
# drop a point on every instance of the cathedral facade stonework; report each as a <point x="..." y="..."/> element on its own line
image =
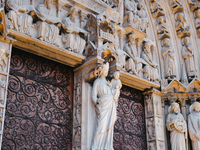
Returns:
<point x="100" y="74"/>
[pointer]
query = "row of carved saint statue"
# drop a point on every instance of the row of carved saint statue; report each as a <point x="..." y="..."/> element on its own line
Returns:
<point x="177" y="125"/>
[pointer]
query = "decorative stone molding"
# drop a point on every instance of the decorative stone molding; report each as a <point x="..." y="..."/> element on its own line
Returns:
<point x="5" y="53"/>
<point x="154" y="119"/>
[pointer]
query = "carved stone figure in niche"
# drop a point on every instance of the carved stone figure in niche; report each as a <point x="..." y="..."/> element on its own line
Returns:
<point x="158" y="108"/>
<point x="132" y="63"/>
<point x="182" y="27"/>
<point x="149" y="102"/>
<point x="77" y="136"/>
<point x="197" y="20"/>
<point x="169" y="56"/>
<point x="194" y="125"/>
<point x="162" y="28"/>
<point x="149" y="64"/>
<point x="131" y="16"/>
<point x="160" y="129"/>
<point x="20" y="15"/>
<point x="156" y="9"/>
<point x="2" y="88"/>
<point x="78" y="93"/>
<point x="151" y="129"/>
<point x="155" y="75"/>
<point x="3" y="59"/>
<point x="72" y="38"/>
<point x="48" y="26"/>
<point x="116" y="85"/>
<point x="78" y="115"/>
<point x="143" y="18"/>
<point x="188" y="56"/>
<point x="106" y="111"/>
<point x="176" y="5"/>
<point x="177" y="126"/>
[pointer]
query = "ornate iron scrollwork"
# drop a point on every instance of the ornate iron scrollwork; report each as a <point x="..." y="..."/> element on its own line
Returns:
<point x="39" y="104"/>
<point x="130" y="131"/>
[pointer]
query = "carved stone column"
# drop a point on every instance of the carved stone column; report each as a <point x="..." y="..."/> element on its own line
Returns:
<point x="154" y="120"/>
<point x="5" y="55"/>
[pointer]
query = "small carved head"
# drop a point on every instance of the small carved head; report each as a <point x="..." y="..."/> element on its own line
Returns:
<point x="73" y="12"/>
<point x="196" y="106"/>
<point x="186" y="41"/>
<point x="161" y="19"/>
<point x="139" y="6"/>
<point x="175" y="108"/>
<point x="146" y="46"/>
<point x="104" y="71"/>
<point x="131" y="37"/>
<point x="116" y="75"/>
<point x="180" y="17"/>
<point x="166" y="42"/>
<point x="48" y="3"/>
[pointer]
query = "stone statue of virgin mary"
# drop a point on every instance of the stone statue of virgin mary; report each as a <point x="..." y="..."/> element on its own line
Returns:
<point x="105" y="105"/>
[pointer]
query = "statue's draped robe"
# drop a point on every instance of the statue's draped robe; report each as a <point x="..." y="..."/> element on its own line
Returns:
<point x="151" y="71"/>
<point x="106" y="115"/>
<point x="177" y="138"/>
<point x="194" y="128"/>
<point x="170" y="69"/>
<point x="20" y="21"/>
<point x="72" y="38"/>
<point x="189" y="61"/>
<point x="48" y="31"/>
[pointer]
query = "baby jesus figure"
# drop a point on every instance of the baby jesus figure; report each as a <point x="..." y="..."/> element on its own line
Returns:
<point x="116" y="85"/>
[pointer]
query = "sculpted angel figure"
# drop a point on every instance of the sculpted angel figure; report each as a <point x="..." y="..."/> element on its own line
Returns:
<point x="169" y="56"/>
<point x="48" y="26"/>
<point x="194" y="125"/>
<point x="188" y="56"/>
<point x="71" y="37"/>
<point x="20" y="15"/>
<point x="105" y="105"/>
<point x="177" y="126"/>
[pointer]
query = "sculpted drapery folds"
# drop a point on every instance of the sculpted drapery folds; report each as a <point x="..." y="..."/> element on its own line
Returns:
<point x="3" y="58"/>
<point x="182" y="27"/>
<point x="177" y="126"/>
<point x="188" y="56"/>
<point x="197" y="20"/>
<point x="169" y="56"/>
<point x="20" y="15"/>
<point x="132" y="65"/>
<point x="130" y="7"/>
<point x="194" y="125"/>
<point x="105" y="101"/>
<point x="143" y="18"/>
<point x="150" y="66"/>
<point x="48" y="26"/>
<point x="71" y="38"/>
